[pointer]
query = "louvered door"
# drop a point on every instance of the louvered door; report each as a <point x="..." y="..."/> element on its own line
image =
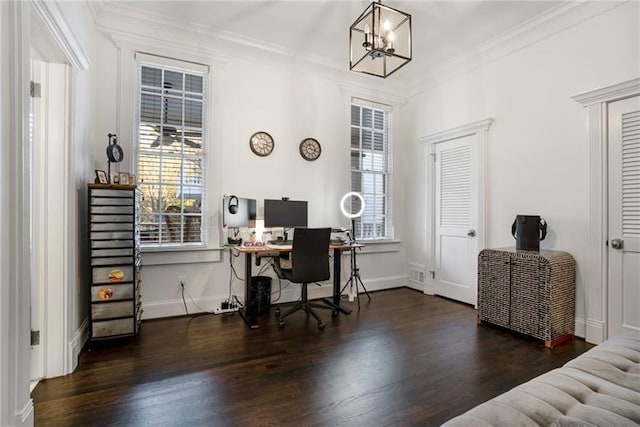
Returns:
<point x="456" y="223"/>
<point x="624" y="215"/>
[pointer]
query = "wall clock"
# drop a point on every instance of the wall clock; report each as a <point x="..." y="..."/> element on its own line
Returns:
<point x="310" y="149"/>
<point x="261" y="143"/>
<point x="114" y="151"/>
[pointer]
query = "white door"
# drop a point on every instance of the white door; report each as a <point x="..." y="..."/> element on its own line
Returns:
<point x="456" y="222"/>
<point x="624" y="216"/>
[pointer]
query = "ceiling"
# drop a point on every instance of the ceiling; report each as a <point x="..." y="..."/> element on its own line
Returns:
<point x="442" y="30"/>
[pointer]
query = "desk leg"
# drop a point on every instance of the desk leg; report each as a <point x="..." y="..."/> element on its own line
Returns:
<point x="337" y="256"/>
<point x="248" y="313"/>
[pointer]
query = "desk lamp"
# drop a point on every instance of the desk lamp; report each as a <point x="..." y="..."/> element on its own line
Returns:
<point x="354" y="278"/>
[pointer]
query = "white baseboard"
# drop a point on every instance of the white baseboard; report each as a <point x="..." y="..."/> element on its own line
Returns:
<point x="175" y="307"/>
<point x="594" y="331"/>
<point x="415" y="285"/>
<point x="25" y="416"/>
<point x="80" y="337"/>
<point x="580" y="328"/>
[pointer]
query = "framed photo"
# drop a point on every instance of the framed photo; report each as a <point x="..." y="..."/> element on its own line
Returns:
<point x="101" y="177"/>
<point x="132" y="180"/>
<point x="124" y="178"/>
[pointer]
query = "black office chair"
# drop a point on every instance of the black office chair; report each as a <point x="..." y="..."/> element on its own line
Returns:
<point x="309" y="264"/>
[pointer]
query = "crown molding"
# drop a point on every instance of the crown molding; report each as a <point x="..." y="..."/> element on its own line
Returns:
<point x="53" y="19"/>
<point x="127" y="25"/>
<point x="609" y="93"/>
<point x="152" y="33"/>
<point x="542" y="26"/>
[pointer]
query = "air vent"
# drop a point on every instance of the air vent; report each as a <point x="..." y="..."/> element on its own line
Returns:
<point x="417" y="273"/>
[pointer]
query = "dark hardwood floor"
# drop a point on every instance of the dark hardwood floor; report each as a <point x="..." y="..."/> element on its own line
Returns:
<point x="405" y="359"/>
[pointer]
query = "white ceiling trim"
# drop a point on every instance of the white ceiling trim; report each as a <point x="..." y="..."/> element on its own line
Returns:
<point x="53" y="19"/>
<point x="553" y="21"/>
<point x="118" y="20"/>
<point x="156" y="34"/>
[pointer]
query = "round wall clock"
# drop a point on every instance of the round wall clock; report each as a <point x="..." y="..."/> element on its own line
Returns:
<point x="114" y="151"/>
<point x="310" y="149"/>
<point x="261" y="143"/>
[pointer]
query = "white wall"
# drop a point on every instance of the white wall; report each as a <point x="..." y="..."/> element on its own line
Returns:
<point x="538" y="147"/>
<point x="250" y="95"/>
<point x="83" y="111"/>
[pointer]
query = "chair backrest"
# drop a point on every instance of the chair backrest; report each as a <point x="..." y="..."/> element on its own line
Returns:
<point x="310" y="255"/>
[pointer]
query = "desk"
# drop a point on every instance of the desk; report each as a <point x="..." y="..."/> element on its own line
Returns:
<point x="247" y="313"/>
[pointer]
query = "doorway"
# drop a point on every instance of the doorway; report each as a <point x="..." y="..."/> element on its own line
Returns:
<point x="606" y="264"/>
<point x="456" y="223"/>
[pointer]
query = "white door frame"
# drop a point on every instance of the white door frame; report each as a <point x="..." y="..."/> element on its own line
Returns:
<point x="54" y="39"/>
<point x="596" y="277"/>
<point x="479" y="130"/>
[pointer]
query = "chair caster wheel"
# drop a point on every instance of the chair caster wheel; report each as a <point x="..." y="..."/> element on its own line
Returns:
<point x="281" y="323"/>
<point x="334" y="313"/>
<point x="321" y="326"/>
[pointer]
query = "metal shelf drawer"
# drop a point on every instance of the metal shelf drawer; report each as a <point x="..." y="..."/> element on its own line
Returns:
<point x="111" y="310"/>
<point x="111" y="292"/>
<point x="112" y="327"/>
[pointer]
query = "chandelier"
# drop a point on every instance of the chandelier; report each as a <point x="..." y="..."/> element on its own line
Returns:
<point x="380" y="40"/>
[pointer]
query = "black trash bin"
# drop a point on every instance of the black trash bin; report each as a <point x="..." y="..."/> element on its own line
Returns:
<point x="260" y="294"/>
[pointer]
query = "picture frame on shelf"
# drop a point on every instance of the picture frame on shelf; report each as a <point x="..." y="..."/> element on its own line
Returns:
<point x="124" y="178"/>
<point x="101" y="177"/>
<point x="132" y="180"/>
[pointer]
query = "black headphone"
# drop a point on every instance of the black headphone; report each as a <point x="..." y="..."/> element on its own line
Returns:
<point x="233" y="205"/>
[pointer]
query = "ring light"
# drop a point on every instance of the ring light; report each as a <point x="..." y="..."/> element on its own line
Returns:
<point x="344" y="209"/>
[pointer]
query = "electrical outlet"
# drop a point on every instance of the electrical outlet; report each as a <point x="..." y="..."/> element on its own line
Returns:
<point x="181" y="281"/>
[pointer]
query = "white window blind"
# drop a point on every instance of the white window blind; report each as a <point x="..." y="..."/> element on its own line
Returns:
<point x="171" y="151"/>
<point x="370" y="169"/>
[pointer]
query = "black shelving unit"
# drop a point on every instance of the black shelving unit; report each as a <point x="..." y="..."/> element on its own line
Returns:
<point x="114" y="235"/>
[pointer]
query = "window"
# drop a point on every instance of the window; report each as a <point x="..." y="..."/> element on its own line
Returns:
<point x="171" y="153"/>
<point x="370" y="168"/>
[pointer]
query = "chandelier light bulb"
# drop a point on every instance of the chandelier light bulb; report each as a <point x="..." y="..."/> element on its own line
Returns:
<point x="367" y="37"/>
<point x="387" y="25"/>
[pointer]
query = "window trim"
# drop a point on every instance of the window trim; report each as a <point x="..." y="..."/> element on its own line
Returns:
<point x="140" y="59"/>
<point x="388" y="173"/>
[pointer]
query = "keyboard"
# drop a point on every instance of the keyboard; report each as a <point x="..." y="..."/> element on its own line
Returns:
<point x="280" y="243"/>
<point x="279" y="246"/>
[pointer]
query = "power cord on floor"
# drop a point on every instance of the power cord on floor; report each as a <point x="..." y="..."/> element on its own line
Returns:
<point x="203" y="310"/>
<point x="183" y="300"/>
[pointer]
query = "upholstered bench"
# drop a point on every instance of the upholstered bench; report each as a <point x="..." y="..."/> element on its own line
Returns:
<point x="600" y="387"/>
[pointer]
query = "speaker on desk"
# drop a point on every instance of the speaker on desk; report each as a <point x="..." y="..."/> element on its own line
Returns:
<point x="260" y="294"/>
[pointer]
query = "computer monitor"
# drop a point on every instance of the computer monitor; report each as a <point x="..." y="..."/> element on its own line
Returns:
<point x="285" y="213"/>
<point x="238" y="211"/>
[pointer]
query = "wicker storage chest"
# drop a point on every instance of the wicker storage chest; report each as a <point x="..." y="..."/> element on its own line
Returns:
<point x="532" y="292"/>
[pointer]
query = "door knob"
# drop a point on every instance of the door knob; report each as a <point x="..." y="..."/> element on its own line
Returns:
<point x="617" y="243"/>
<point x="471" y="232"/>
